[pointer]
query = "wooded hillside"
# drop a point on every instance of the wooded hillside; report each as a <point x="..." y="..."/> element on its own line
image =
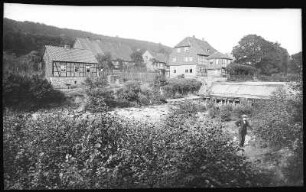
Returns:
<point x="23" y="37"/>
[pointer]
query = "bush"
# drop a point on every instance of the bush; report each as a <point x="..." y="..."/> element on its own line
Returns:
<point x="25" y="92"/>
<point x="240" y="69"/>
<point x="225" y="112"/>
<point x="213" y="112"/>
<point x="64" y="152"/>
<point x="181" y="87"/>
<point x="279" y="122"/>
<point x="130" y="91"/>
<point x="242" y="108"/>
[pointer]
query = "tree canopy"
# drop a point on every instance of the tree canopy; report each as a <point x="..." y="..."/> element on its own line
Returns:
<point x="296" y="63"/>
<point x="267" y="57"/>
<point x="105" y="61"/>
<point x="136" y="57"/>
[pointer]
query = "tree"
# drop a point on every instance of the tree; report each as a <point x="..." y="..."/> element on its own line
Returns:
<point x="105" y="61"/>
<point x="267" y="57"/>
<point x="295" y="64"/>
<point x="136" y="57"/>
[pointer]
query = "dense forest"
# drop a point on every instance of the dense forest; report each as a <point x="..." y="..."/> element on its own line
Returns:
<point x="21" y="38"/>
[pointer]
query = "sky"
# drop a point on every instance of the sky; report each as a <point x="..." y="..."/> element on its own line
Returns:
<point x="220" y="27"/>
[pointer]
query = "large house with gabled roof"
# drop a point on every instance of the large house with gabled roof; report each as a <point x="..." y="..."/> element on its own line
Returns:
<point x="190" y="58"/>
<point x="65" y="66"/>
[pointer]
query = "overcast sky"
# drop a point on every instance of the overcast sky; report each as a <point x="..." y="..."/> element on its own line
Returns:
<point x="221" y="27"/>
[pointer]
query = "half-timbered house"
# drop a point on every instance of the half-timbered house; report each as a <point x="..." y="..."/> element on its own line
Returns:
<point x="65" y="66"/>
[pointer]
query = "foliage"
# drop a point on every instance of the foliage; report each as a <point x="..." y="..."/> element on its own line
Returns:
<point x="136" y="57"/>
<point x="28" y="92"/>
<point x="280" y="123"/>
<point x="240" y="69"/>
<point x="266" y="56"/>
<point x="58" y="151"/>
<point x="181" y="86"/>
<point x="29" y="64"/>
<point x="242" y="108"/>
<point x="105" y="61"/>
<point x="100" y="98"/>
<point x="226" y="112"/>
<point x="23" y="37"/>
<point x="135" y="95"/>
<point x="214" y="112"/>
<point x="296" y="63"/>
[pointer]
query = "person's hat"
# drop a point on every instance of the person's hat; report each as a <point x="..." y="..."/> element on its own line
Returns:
<point x="244" y="116"/>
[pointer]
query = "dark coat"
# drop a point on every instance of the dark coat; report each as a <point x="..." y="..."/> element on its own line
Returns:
<point x="242" y="126"/>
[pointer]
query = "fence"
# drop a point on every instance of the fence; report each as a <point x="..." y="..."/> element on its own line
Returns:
<point x="137" y="76"/>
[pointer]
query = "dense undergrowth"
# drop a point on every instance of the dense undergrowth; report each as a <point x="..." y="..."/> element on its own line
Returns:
<point x="61" y="152"/>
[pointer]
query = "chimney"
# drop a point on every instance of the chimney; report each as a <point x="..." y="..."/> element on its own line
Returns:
<point x="67" y="46"/>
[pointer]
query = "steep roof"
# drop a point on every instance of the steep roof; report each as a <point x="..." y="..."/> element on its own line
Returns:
<point x="117" y="50"/>
<point x="159" y="56"/>
<point x="218" y="55"/>
<point x="70" y="54"/>
<point x="202" y="47"/>
<point x="254" y="90"/>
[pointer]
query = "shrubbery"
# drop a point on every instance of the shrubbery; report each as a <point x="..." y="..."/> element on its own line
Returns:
<point x="242" y="108"/>
<point x="181" y="87"/>
<point x="25" y="92"/>
<point x="131" y="95"/>
<point x="279" y="122"/>
<point x="64" y="152"/>
<point x="226" y="112"/>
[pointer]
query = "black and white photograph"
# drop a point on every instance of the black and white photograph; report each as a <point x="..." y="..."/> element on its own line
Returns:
<point x="128" y="97"/>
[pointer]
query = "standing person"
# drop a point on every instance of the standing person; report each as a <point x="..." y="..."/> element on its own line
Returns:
<point x="242" y="124"/>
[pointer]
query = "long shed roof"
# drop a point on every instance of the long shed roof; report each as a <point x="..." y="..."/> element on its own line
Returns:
<point x="70" y="54"/>
<point x="117" y="50"/>
<point x="253" y="90"/>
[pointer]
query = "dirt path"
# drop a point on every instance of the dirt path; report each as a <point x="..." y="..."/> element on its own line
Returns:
<point x="262" y="157"/>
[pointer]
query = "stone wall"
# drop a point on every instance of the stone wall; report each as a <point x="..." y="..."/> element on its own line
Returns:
<point x="61" y="82"/>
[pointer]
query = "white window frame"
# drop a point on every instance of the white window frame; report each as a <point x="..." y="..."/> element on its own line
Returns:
<point x="63" y="68"/>
<point x="87" y="67"/>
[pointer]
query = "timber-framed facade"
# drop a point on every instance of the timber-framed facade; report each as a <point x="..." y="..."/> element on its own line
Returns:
<point x="66" y="67"/>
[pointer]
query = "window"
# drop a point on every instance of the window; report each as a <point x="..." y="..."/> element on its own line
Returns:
<point x="186" y="59"/>
<point x="186" y="70"/>
<point x="186" y="49"/>
<point x="87" y="68"/>
<point x="76" y="68"/>
<point x="190" y="58"/>
<point x="174" y="59"/>
<point x="211" y="62"/>
<point x="174" y="71"/>
<point x="217" y="61"/>
<point x="207" y="50"/>
<point x="63" y="68"/>
<point x="190" y="70"/>
<point x="178" y="50"/>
